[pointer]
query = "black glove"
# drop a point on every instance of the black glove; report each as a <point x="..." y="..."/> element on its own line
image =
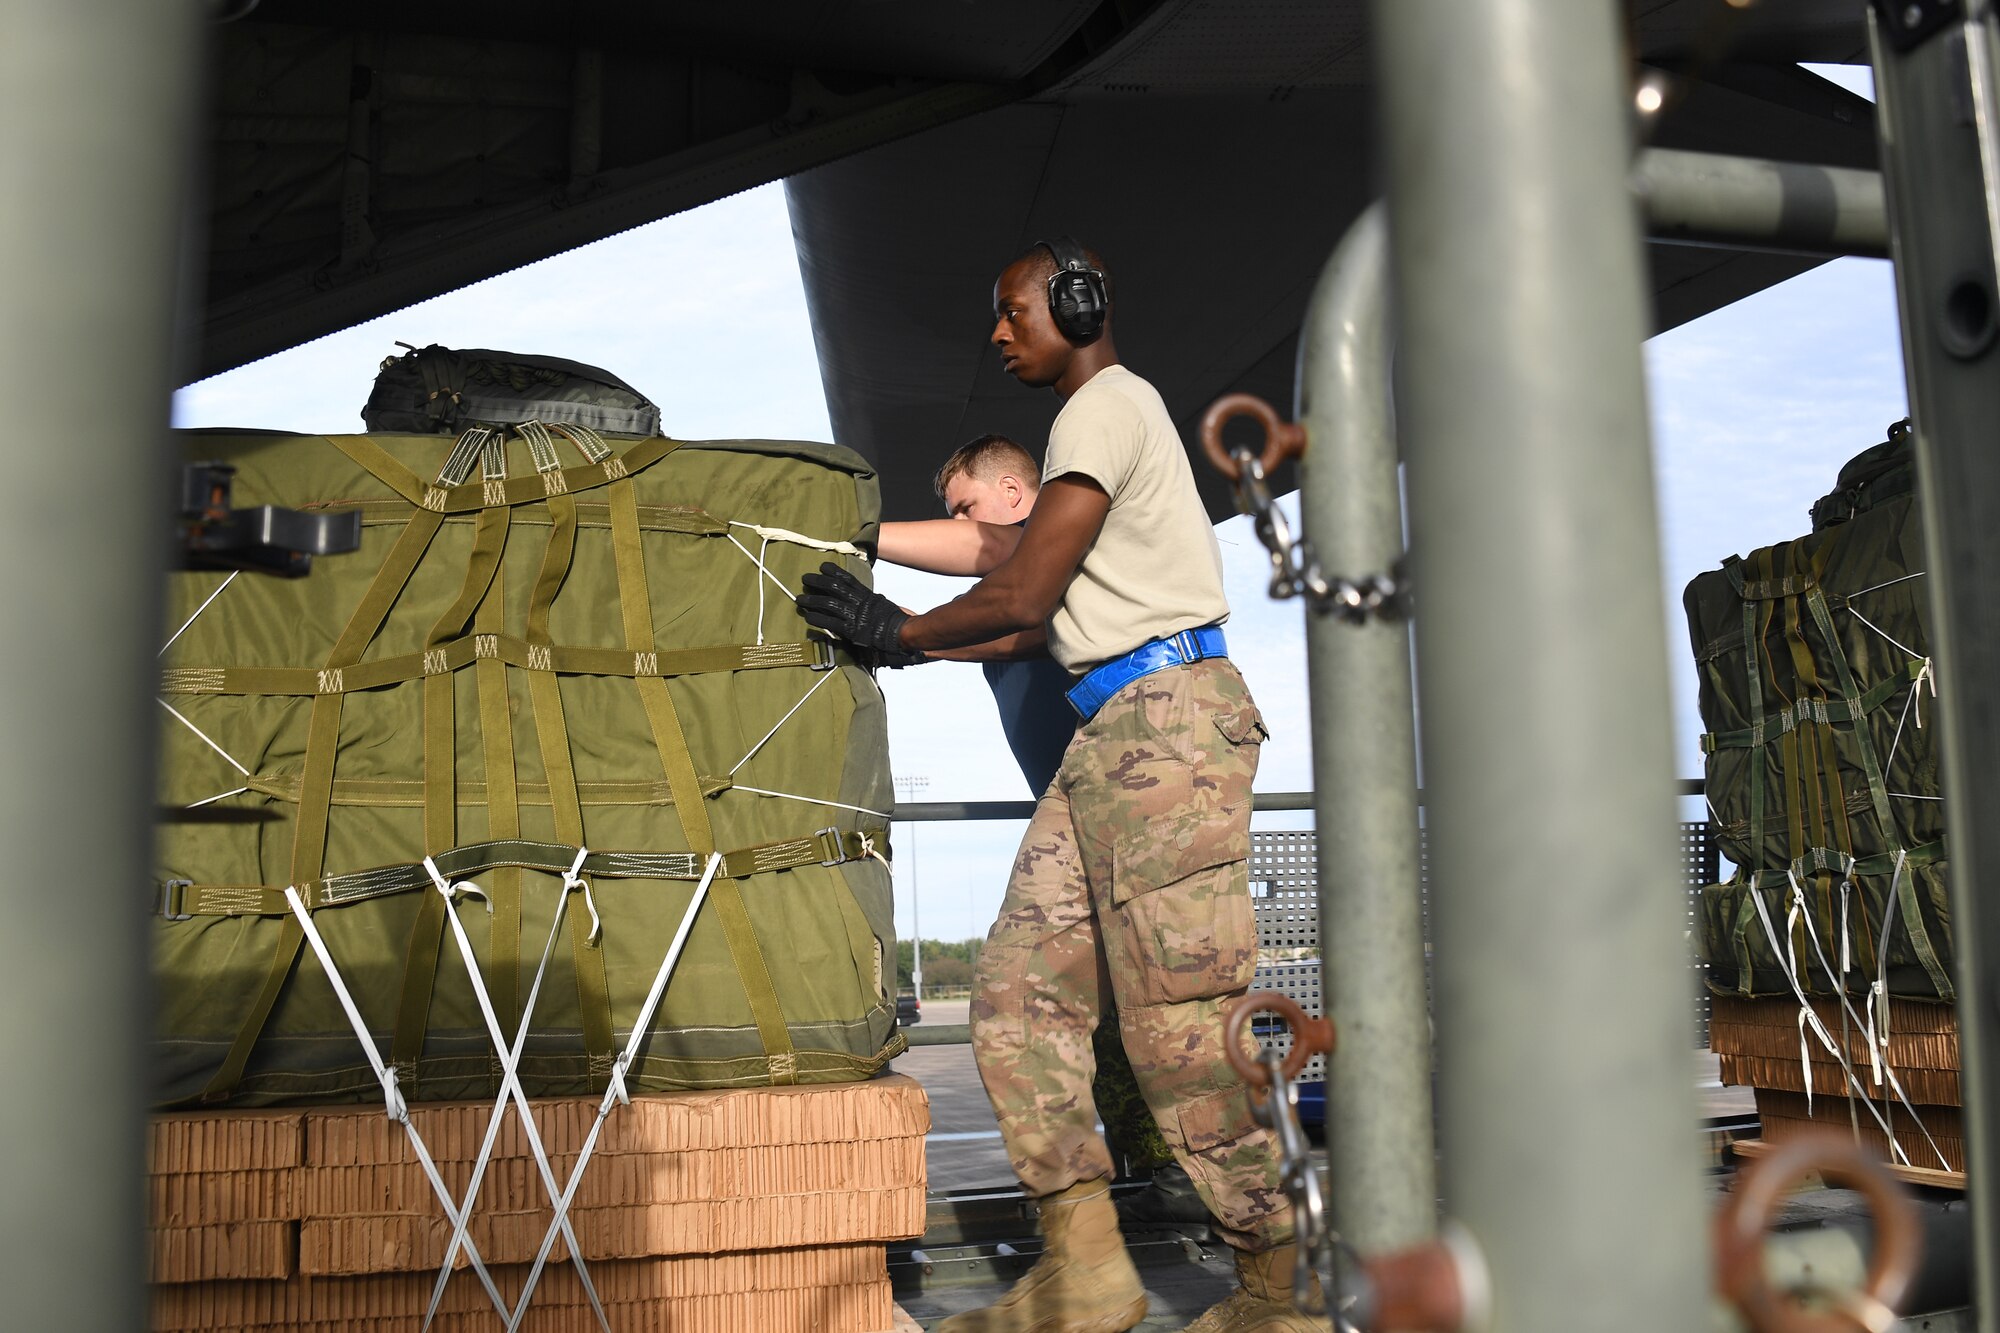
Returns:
<point x="843" y="606"/>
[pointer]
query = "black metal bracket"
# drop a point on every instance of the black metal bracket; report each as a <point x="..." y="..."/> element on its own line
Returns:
<point x="264" y="538"/>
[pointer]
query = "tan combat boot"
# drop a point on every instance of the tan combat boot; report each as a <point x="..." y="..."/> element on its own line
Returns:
<point x="1262" y="1301"/>
<point x="1083" y="1283"/>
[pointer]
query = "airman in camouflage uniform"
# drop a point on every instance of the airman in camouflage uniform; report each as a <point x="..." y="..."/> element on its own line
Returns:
<point x="1131" y="885"/>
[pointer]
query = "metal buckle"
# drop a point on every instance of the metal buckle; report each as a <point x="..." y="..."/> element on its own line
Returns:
<point x="172" y="897"/>
<point x="822" y="655"/>
<point x="830" y="837"/>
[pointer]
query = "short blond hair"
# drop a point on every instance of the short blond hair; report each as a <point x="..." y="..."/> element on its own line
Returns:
<point x="986" y="458"/>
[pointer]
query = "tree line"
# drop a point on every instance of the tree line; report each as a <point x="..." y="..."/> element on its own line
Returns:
<point x="946" y="962"/>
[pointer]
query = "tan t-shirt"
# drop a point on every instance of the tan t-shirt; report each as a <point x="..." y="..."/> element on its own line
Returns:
<point x="1155" y="569"/>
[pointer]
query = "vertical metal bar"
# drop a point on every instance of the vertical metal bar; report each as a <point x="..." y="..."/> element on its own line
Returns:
<point x="1378" y="1121"/>
<point x="96" y="97"/>
<point x="1941" y="163"/>
<point x="1542" y="663"/>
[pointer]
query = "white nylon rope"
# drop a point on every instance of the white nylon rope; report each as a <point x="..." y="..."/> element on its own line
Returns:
<point x="197" y="613"/>
<point x="616" y="1093"/>
<point x="1847" y="1011"/>
<point x="1877" y="587"/>
<point x="1925" y="676"/>
<point x="1880" y="986"/>
<point x="204" y="739"/>
<point x="797" y="538"/>
<point x="813" y="800"/>
<point x="1807" y="1017"/>
<point x="211" y="800"/>
<point x="824" y="677"/>
<point x="770" y="535"/>
<point x="510" y="1083"/>
<point x="392" y="1096"/>
<point x="1799" y="909"/>
<point x="1914" y="655"/>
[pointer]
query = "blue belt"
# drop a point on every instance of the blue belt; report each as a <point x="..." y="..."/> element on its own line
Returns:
<point x="1107" y="678"/>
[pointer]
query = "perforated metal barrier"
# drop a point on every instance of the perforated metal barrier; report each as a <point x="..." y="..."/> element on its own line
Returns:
<point x="1284" y="882"/>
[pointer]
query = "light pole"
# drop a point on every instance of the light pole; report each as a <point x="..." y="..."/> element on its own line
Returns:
<point x="907" y="789"/>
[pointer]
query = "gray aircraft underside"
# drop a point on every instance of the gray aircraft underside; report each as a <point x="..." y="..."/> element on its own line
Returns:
<point x="365" y="156"/>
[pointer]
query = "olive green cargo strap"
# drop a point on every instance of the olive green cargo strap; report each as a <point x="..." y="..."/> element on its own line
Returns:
<point x="440" y="749"/>
<point x="828" y="847"/>
<point x="1833" y="861"/>
<point x="471" y="649"/>
<point x="1802" y="711"/>
<point x="636" y="605"/>
<point x="552" y="733"/>
<point x="408" y="792"/>
<point x="1878" y="790"/>
<point x="316" y="783"/>
<point x="503" y="811"/>
<point x="472" y="496"/>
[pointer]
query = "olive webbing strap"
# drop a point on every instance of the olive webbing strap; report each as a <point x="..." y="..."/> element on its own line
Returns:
<point x="1878" y="792"/>
<point x="316" y="782"/>
<point x="1752" y="645"/>
<point x="503" y="805"/>
<point x="472" y="497"/>
<point x="861" y="939"/>
<point x="1797" y="781"/>
<point x="559" y="768"/>
<point x="420" y="960"/>
<point x="635" y="602"/>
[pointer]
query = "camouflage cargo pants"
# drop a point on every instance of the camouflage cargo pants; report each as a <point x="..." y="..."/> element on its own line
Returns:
<point x="1131" y="886"/>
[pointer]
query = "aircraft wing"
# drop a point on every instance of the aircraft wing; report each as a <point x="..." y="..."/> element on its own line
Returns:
<point x="364" y="155"/>
<point x="1214" y="162"/>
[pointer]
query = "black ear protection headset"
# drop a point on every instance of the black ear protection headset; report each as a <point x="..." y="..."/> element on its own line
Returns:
<point x="1078" y="299"/>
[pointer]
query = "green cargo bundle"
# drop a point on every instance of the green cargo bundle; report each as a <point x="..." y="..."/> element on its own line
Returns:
<point x="1822" y="772"/>
<point x="548" y="645"/>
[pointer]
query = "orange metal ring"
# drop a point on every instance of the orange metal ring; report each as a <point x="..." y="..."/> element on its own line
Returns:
<point x="1282" y="439"/>
<point x="1744" y="1220"/>
<point x="1310" y="1036"/>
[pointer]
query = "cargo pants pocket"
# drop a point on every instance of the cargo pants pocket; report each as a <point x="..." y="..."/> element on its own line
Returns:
<point x="1181" y="924"/>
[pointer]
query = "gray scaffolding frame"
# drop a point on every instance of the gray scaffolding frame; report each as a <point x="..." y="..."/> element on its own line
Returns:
<point x="1521" y="406"/>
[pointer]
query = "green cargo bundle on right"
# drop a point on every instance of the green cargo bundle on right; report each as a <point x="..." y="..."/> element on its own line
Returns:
<point x="1822" y="761"/>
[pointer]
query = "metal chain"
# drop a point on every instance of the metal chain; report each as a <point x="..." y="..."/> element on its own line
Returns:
<point x="1316" y="1239"/>
<point x="1295" y="570"/>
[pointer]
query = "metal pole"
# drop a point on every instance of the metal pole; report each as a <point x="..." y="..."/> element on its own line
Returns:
<point x="1542" y="664"/>
<point x="1939" y="122"/>
<point x="97" y="97"/>
<point x="1708" y="199"/>
<point x="1380" y="1148"/>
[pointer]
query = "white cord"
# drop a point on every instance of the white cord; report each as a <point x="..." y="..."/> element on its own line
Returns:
<point x="1876" y="587"/>
<point x="510" y="1083"/>
<point x="211" y="800"/>
<point x="813" y="800"/>
<point x="824" y="677"/>
<point x="1884" y="633"/>
<point x="616" y="1092"/>
<point x="197" y="613"/>
<point x="204" y="738"/>
<point x="752" y="558"/>
<point x="798" y="539"/>
<point x="392" y="1095"/>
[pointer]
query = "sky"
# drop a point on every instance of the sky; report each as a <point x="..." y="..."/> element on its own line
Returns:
<point x="1754" y="409"/>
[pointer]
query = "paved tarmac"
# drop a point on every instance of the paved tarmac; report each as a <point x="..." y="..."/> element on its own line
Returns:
<point x="964" y="1149"/>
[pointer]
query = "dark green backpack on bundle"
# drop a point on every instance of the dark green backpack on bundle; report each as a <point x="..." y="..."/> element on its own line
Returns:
<point x="432" y="390"/>
<point x="1822" y="768"/>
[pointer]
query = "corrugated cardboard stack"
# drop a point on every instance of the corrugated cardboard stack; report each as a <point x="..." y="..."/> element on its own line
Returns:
<point x="760" y="1208"/>
<point x="1759" y="1040"/>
